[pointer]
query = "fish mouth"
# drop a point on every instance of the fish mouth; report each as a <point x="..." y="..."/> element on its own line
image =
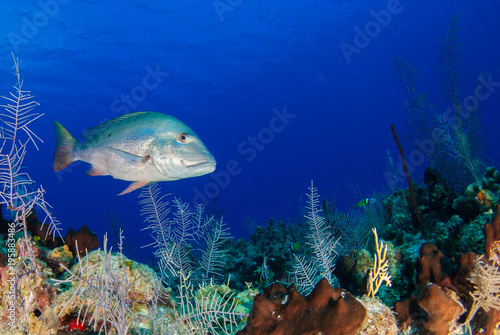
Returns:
<point x="205" y="166"/>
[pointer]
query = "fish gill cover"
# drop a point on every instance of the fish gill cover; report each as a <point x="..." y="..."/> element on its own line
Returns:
<point x="280" y="93"/>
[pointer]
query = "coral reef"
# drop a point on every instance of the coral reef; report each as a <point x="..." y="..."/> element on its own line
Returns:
<point x="439" y="285"/>
<point x="41" y="230"/>
<point x="325" y="310"/>
<point x="101" y="269"/>
<point x="59" y="257"/>
<point x="433" y="267"/>
<point x="439" y="289"/>
<point x="442" y="310"/>
<point x="380" y="319"/>
<point x="84" y="238"/>
<point x="26" y="297"/>
<point x="440" y="195"/>
<point x="87" y="302"/>
<point x="449" y="287"/>
<point x="246" y="256"/>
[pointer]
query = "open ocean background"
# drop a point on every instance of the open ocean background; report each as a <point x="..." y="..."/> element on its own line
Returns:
<point x="227" y="68"/>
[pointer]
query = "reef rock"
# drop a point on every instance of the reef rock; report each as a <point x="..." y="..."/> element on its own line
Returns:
<point x="284" y="311"/>
<point x="442" y="309"/>
<point x="86" y="240"/>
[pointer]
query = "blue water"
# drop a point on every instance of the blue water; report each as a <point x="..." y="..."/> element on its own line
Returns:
<point x="235" y="70"/>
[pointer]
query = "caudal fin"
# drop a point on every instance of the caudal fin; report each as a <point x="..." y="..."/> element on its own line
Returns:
<point x="64" y="147"/>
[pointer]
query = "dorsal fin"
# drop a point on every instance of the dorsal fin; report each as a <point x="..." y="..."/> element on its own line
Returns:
<point x="90" y="133"/>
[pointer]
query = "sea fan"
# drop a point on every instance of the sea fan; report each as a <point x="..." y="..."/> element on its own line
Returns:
<point x="17" y="190"/>
<point x="184" y="227"/>
<point x="17" y="116"/>
<point x="458" y="146"/>
<point x="459" y="123"/>
<point x="209" y="311"/>
<point x="264" y="272"/>
<point x="323" y="243"/>
<point x="173" y="238"/>
<point x="450" y="57"/>
<point x="462" y="128"/>
<point x="156" y="211"/>
<point x="351" y="227"/>
<point x="212" y="257"/>
<point x="420" y="112"/>
<point x="305" y="274"/>
<point x="170" y="235"/>
<point x="486" y="279"/>
<point x="102" y="292"/>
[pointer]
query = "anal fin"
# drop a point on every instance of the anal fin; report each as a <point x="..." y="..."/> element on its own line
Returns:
<point x="135" y="185"/>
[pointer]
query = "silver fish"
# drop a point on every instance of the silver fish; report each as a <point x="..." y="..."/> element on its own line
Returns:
<point x="142" y="147"/>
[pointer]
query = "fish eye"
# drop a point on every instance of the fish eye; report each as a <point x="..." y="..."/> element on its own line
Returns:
<point x="184" y="138"/>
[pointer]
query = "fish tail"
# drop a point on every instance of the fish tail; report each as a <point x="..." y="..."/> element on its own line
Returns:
<point x="65" y="142"/>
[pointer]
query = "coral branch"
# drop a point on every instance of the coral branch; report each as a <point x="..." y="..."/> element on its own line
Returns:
<point x="380" y="272"/>
<point x="417" y="214"/>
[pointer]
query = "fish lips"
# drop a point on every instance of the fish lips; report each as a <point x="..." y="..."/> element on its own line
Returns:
<point x="201" y="168"/>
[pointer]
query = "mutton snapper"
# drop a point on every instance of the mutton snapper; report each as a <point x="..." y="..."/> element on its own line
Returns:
<point x="142" y="147"/>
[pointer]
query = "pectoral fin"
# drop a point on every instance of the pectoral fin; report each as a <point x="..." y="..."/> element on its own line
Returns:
<point x="135" y="185"/>
<point x="130" y="158"/>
